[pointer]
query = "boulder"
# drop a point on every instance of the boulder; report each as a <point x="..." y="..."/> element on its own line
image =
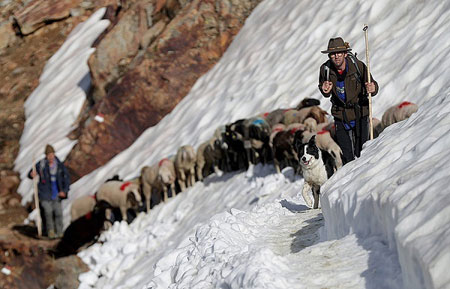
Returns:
<point x="38" y="13"/>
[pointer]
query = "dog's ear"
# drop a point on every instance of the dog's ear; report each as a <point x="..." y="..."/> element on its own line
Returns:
<point x="312" y="140"/>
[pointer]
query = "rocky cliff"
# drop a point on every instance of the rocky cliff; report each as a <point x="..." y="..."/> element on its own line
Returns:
<point x="145" y="65"/>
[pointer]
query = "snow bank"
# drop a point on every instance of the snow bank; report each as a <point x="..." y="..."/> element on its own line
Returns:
<point x="408" y="204"/>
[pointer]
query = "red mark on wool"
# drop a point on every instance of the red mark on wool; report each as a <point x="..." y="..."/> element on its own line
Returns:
<point x="265" y="114"/>
<point x="294" y="129"/>
<point x="122" y="187"/>
<point x="277" y="129"/>
<point x="323" y="132"/>
<point x="161" y="162"/>
<point x="405" y="103"/>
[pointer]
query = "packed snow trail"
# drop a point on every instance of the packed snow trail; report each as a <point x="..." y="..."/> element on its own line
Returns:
<point x="276" y="245"/>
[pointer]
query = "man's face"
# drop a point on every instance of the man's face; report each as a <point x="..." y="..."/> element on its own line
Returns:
<point x="51" y="157"/>
<point x="338" y="59"/>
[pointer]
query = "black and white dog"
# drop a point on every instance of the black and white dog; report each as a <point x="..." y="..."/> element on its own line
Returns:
<point x="317" y="167"/>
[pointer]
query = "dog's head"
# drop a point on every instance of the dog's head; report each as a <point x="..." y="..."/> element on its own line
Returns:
<point x="308" y="153"/>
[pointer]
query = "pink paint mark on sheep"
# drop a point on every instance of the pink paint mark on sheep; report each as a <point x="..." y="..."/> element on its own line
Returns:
<point x="323" y="132"/>
<point x="405" y="103"/>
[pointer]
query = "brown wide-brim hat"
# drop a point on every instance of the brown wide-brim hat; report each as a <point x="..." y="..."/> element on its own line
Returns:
<point x="337" y="45"/>
<point x="49" y="149"/>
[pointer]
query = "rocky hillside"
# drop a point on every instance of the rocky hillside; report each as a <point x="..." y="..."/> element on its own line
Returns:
<point x="145" y="63"/>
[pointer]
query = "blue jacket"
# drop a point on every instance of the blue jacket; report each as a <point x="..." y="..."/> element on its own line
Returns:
<point x="45" y="186"/>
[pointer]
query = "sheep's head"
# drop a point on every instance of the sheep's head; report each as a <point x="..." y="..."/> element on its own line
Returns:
<point x="134" y="197"/>
<point x="166" y="176"/>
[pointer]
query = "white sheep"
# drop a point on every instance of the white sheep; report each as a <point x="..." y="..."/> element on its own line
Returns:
<point x="150" y="184"/>
<point x="299" y="116"/>
<point x="122" y="195"/>
<point x="185" y="160"/>
<point x="167" y="176"/>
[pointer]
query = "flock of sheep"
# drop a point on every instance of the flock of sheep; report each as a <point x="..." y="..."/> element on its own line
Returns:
<point x="261" y="139"/>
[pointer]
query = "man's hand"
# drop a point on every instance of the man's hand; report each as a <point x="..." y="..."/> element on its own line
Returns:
<point x="327" y="86"/>
<point x="370" y="87"/>
<point x="62" y="195"/>
<point x="33" y="174"/>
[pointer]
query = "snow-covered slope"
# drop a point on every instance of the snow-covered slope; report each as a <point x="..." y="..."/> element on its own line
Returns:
<point x="399" y="190"/>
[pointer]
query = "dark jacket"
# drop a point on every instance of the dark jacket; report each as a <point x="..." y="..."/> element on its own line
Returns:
<point x="45" y="186"/>
<point x="357" y="98"/>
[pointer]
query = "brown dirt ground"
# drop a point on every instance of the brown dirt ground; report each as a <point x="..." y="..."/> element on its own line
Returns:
<point x="26" y="256"/>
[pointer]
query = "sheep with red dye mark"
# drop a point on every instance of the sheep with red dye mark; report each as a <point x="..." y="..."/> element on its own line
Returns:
<point x="279" y="127"/>
<point x="83" y="231"/>
<point x="82" y="206"/>
<point x="325" y="142"/>
<point x="122" y="195"/>
<point x="398" y="113"/>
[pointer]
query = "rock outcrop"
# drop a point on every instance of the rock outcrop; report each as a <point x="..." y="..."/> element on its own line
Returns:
<point x="157" y="78"/>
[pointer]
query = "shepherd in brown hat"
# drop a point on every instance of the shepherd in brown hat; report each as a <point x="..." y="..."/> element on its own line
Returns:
<point x="53" y="186"/>
<point x="343" y="78"/>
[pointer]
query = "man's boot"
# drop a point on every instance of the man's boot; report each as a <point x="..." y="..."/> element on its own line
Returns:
<point x="51" y="234"/>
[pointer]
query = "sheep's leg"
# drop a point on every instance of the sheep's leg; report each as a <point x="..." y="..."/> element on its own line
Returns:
<point x="192" y="175"/>
<point x="123" y="210"/>
<point x="172" y="189"/>
<point x="108" y="223"/>
<point x="165" y="192"/>
<point x="181" y="180"/>
<point x="277" y="166"/>
<point x="217" y="170"/>
<point x="147" y="189"/>
<point x="200" y="172"/>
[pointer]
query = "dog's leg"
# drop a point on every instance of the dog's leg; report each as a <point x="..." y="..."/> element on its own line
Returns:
<point x="305" y="194"/>
<point x="316" y="192"/>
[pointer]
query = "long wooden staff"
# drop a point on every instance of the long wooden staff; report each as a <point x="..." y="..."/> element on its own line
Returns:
<point x="366" y="33"/>
<point x="36" y="200"/>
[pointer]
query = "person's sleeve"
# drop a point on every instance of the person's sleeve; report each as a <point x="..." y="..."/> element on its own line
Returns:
<point x="66" y="180"/>
<point x="37" y="170"/>
<point x="371" y="78"/>
<point x="322" y="79"/>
